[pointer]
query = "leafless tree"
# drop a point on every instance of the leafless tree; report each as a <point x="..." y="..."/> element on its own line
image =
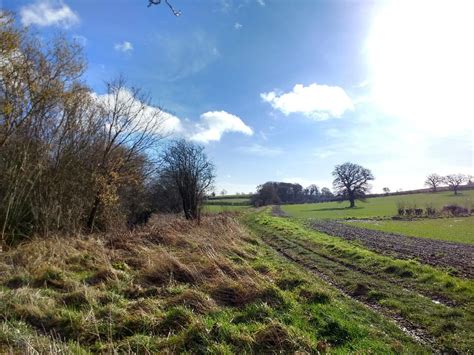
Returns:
<point x="186" y="164"/>
<point x="68" y="158"/>
<point x="351" y="181"/>
<point x="434" y="181"/>
<point x="455" y="180"/>
<point x="129" y="127"/>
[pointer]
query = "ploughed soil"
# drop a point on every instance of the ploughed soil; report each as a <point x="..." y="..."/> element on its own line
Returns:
<point x="440" y="253"/>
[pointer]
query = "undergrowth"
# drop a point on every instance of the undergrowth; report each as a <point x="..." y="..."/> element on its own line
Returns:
<point x="174" y="286"/>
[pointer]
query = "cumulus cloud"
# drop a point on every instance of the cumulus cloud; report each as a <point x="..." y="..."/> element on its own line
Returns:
<point x="237" y="26"/>
<point x="125" y="47"/>
<point x="147" y="117"/>
<point x="214" y="124"/>
<point x="48" y="13"/>
<point x="320" y="102"/>
<point x="260" y="150"/>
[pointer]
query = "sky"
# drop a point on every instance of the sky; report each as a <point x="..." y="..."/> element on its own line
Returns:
<point x="285" y="90"/>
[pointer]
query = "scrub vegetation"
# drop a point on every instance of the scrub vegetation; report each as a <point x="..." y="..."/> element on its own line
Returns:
<point x="175" y="286"/>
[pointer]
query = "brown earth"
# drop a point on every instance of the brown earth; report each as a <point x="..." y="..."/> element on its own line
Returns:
<point x="459" y="257"/>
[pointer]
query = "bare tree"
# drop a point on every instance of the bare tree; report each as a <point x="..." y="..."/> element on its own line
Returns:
<point x="186" y="164"/>
<point x="434" y="181"/>
<point x="386" y="190"/>
<point x="351" y="181"/>
<point x="455" y="180"/>
<point x="129" y="127"/>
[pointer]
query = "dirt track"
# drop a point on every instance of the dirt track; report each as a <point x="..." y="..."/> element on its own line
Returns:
<point x="429" y="251"/>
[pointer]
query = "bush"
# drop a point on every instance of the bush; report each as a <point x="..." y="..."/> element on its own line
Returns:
<point x="455" y="210"/>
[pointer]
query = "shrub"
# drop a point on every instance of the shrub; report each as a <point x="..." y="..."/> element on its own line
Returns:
<point x="455" y="210"/>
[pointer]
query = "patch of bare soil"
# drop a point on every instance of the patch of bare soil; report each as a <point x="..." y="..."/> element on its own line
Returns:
<point x="434" y="252"/>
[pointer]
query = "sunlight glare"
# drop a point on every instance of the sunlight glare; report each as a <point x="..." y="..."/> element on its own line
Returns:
<point x="421" y="57"/>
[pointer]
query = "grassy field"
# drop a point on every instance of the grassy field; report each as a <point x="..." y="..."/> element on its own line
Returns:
<point x="224" y="208"/>
<point x="402" y="289"/>
<point x="459" y="230"/>
<point x="378" y="206"/>
<point x="178" y="287"/>
<point x="229" y="201"/>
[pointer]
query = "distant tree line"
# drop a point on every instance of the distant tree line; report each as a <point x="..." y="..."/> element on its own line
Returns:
<point x="453" y="181"/>
<point x="350" y="183"/>
<point x="273" y="192"/>
<point x="74" y="161"/>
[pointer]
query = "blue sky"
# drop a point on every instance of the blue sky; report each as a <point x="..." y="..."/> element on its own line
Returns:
<point x="285" y="90"/>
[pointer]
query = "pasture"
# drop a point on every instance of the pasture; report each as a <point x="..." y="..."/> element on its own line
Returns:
<point x="378" y="206"/>
<point x="460" y="230"/>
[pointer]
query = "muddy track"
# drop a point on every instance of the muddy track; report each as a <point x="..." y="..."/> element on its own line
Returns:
<point x="433" y="252"/>
<point x="289" y="250"/>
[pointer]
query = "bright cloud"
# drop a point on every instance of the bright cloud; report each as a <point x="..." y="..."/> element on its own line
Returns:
<point x="260" y="150"/>
<point x="237" y="26"/>
<point x="320" y="102"/>
<point x="147" y="117"/>
<point x="125" y="47"/>
<point x="214" y="124"/>
<point x="261" y="2"/>
<point x="48" y="13"/>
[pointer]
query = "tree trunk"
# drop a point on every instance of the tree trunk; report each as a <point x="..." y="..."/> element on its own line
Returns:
<point x="351" y="200"/>
<point x="93" y="214"/>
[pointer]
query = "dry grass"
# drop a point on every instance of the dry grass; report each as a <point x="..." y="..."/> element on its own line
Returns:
<point x="169" y="287"/>
<point x="78" y="289"/>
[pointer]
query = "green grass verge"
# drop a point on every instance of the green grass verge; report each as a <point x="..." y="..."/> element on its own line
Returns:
<point x="460" y="230"/>
<point x="377" y="206"/>
<point x="404" y="288"/>
<point x="146" y="296"/>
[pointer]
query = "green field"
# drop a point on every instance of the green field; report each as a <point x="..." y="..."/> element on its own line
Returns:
<point x="377" y="206"/>
<point x="224" y="208"/>
<point x="459" y="230"/>
<point x="229" y="201"/>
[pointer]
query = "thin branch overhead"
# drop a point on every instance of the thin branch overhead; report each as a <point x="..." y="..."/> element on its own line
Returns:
<point x="157" y="2"/>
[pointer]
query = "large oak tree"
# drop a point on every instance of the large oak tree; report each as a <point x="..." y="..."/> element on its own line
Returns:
<point x="351" y="181"/>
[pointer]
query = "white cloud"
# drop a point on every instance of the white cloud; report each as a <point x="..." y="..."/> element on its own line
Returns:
<point x="125" y="47"/>
<point x="147" y="116"/>
<point x="238" y="26"/>
<point x="261" y="2"/>
<point x="260" y="150"/>
<point x="320" y="102"/>
<point x="48" y="13"/>
<point x="214" y="124"/>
